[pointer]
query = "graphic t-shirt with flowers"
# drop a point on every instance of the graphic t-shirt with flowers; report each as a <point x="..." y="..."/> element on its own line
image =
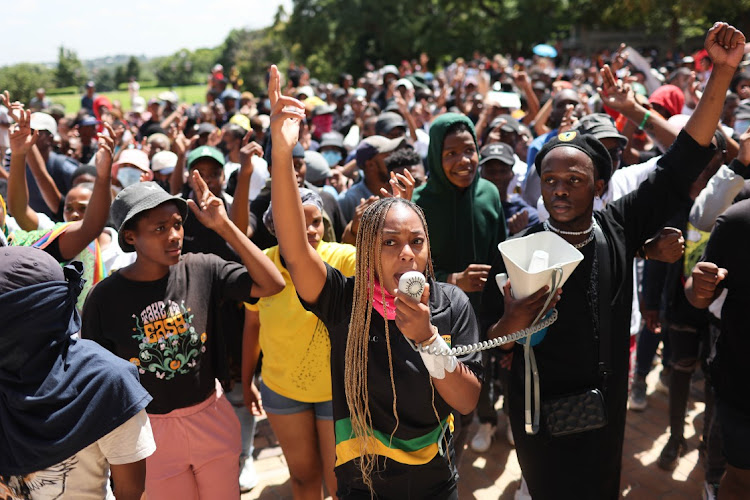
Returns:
<point x="164" y="327"/>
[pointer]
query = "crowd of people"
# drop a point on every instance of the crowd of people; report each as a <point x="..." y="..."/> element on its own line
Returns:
<point x="172" y="271"/>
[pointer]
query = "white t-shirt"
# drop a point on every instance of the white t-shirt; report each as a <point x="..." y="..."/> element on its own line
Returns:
<point x="85" y="475"/>
<point x="113" y="256"/>
<point x="257" y="179"/>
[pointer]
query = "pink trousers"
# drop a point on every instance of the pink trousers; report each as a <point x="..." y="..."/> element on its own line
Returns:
<point x="197" y="452"/>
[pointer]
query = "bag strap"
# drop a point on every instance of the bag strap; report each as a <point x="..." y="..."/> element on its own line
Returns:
<point x="604" y="280"/>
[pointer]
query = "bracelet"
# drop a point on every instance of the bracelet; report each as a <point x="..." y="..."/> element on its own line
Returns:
<point x="645" y="119"/>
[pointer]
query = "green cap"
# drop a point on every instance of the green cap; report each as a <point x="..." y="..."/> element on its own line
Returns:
<point x="205" y="152"/>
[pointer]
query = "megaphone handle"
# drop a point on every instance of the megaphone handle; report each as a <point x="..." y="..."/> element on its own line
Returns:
<point x="535" y="327"/>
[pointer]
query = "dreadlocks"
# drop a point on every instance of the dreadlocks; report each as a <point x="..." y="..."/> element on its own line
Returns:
<point x="355" y="375"/>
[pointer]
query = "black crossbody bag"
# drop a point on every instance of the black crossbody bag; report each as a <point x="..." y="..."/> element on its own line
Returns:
<point x="586" y="411"/>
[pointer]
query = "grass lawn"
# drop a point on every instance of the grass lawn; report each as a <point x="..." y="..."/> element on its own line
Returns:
<point x="190" y="94"/>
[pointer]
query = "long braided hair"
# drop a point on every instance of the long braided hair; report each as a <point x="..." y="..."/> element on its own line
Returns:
<point x="369" y="238"/>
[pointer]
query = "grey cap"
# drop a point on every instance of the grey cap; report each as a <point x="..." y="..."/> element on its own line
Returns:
<point x="497" y="151"/>
<point x="388" y="121"/>
<point x="601" y="126"/>
<point x="511" y="124"/>
<point x="138" y="198"/>
<point x="332" y="139"/>
<point x="317" y="167"/>
<point x="376" y="144"/>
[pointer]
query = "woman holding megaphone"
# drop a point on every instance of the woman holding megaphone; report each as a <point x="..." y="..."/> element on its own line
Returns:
<point x="391" y="404"/>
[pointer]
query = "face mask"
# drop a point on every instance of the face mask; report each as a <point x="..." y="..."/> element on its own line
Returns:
<point x="267" y="103"/>
<point x="332" y="157"/>
<point x="128" y="176"/>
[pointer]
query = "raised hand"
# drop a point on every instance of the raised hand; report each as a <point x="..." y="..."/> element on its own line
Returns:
<point x="725" y="45"/>
<point x="104" y="154"/>
<point x="22" y="138"/>
<point x="518" y="222"/>
<point x="619" y="58"/>
<point x="568" y="120"/>
<point x="473" y="278"/>
<point x="401" y="184"/>
<point x="614" y="93"/>
<point x="208" y="209"/>
<point x="286" y="114"/>
<point x="247" y="151"/>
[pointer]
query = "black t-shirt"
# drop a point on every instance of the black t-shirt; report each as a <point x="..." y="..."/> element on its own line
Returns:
<point x="729" y="247"/>
<point x="453" y="316"/>
<point x="165" y="327"/>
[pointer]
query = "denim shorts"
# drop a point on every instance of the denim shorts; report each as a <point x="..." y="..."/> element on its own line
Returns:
<point x="275" y="403"/>
<point x="735" y="435"/>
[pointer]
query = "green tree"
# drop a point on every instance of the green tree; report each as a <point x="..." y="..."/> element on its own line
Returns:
<point x="105" y="80"/>
<point x="133" y="68"/>
<point x="176" y="69"/>
<point x="70" y="70"/>
<point x="22" y="80"/>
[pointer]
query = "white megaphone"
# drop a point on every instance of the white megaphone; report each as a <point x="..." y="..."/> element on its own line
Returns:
<point x="531" y="260"/>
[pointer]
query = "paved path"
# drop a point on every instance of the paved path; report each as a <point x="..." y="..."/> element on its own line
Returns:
<point x="496" y="474"/>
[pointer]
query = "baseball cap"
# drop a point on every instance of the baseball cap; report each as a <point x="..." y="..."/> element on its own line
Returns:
<point x="511" y="124"/>
<point x="241" y="120"/>
<point x="376" y="144"/>
<point x="88" y="121"/>
<point x="230" y="94"/>
<point x="164" y="162"/>
<point x="139" y="104"/>
<point x="332" y="139"/>
<point x="21" y="267"/>
<point x="586" y="143"/>
<point x="323" y="109"/>
<point x="389" y="69"/>
<point x="168" y="96"/>
<point x="138" y="198"/>
<point x="388" y="121"/>
<point x="600" y="126"/>
<point x="497" y="151"/>
<point x="43" y="121"/>
<point x="90" y="84"/>
<point x="205" y="128"/>
<point x="317" y="167"/>
<point x="133" y="157"/>
<point x="205" y="152"/>
<point x="406" y="83"/>
<point x="305" y="90"/>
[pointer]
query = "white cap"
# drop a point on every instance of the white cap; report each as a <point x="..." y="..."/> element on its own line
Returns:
<point x="43" y="121"/>
<point x="164" y="162"/>
<point x="139" y="104"/>
<point x="406" y="83"/>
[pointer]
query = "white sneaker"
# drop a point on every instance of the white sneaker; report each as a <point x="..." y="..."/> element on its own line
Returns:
<point x="522" y="493"/>
<point x="248" y="475"/>
<point x="482" y="440"/>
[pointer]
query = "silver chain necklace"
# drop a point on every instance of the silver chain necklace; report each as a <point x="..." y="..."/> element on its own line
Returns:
<point x="550" y="227"/>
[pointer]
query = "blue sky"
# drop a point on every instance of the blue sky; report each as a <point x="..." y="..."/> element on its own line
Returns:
<point x="34" y="29"/>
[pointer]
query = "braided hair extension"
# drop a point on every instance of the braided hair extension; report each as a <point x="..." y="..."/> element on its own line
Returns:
<point x="369" y="244"/>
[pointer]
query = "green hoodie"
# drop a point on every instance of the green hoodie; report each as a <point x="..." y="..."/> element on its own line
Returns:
<point x="465" y="227"/>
